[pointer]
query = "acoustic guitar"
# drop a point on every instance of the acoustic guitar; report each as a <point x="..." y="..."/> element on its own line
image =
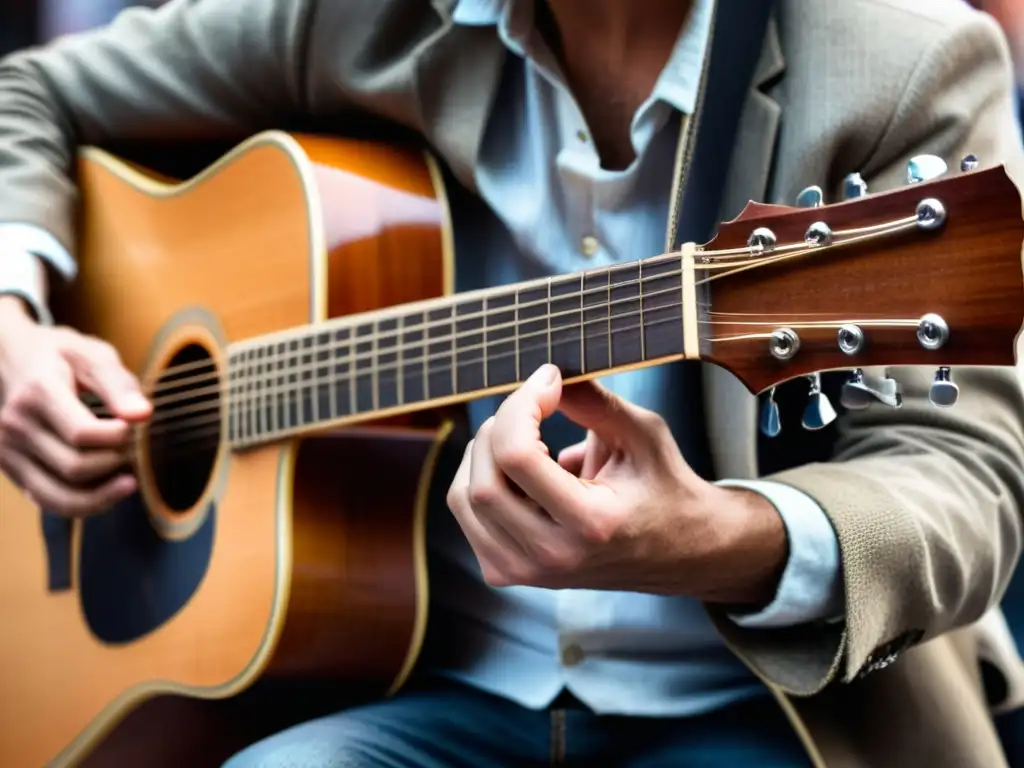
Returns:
<point x="290" y="312"/>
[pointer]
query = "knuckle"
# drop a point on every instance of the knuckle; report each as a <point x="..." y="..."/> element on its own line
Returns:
<point x="104" y="352"/>
<point x="10" y="419"/>
<point x="77" y="435"/>
<point x="483" y="495"/>
<point x="454" y="497"/>
<point x="492" y="576"/>
<point x="75" y="469"/>
<point x="522" y="573"/>
<point x="559" y="557"/>
<point x="513" y="457"/>
<point x="601" y="526"/>
<point x="652" y="423"/>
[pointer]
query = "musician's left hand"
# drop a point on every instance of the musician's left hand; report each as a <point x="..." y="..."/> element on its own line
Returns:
<point x="620" y="511"/>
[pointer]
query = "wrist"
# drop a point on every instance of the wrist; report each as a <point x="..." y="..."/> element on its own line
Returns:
<point x="750" y="551"/>
<point x="16" y="318"/>
<point x="15" y="312"/>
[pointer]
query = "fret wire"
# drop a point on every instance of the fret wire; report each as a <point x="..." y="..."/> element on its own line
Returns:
<point x="515" y="324"/>
<point x="269" y="394"/>
<point x="400" y="347"/>
<point x="231" y="399"/>
<point x="333" y="377"/>
<point x="425" y="341"/>
<point x="640" y="293"/>
<point x="550" y="349"/>
<point x="353" y="376"/>
<point x="250" y="385"/>
<point x="282" y="378"/>
<point x="374" y="360"/>
<point x="455" y="350"/>
<point x="261" y="425"/>
<point x="314" y="399"/>
<point x="484" y="326"/>
<point x="583" y="325"/>
<point x="610" y="363"/>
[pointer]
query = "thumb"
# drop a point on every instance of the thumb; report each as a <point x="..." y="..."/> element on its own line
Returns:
<point x="98" y="367"/>
<point x="543" y="389"/>
<point x="604" y="413"/>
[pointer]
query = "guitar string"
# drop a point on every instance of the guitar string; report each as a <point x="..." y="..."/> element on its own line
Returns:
<point x="270" y="380"/>
<point x="299" y="394"/>
<point x="779" y="253"/>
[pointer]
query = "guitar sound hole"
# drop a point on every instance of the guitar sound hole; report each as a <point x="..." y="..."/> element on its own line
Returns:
<point x="185" y="431"/>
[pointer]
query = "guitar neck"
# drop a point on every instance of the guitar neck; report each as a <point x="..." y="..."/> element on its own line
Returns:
<point x="455" y="349"/>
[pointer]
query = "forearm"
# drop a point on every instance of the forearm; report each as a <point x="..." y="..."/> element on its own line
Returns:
<point x="189" y="70"/>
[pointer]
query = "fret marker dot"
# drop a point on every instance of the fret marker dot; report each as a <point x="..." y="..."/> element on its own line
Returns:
<point x="589" y="245"/>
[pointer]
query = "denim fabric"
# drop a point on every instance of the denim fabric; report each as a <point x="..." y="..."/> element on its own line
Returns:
<point x="443" y="723"/>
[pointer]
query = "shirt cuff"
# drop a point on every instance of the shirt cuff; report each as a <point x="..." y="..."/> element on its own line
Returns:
<point x="32" y="239"/>
<point x="21" y="248"/>
<point x="811" y="588"/>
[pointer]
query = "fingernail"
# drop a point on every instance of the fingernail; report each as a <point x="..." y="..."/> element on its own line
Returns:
<point x="135" y="401"/>
<point x="545" y="375"/>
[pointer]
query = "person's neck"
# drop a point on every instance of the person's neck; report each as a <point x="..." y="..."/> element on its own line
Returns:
<point x="612" y="53"/>
<point x="620" y="29"/>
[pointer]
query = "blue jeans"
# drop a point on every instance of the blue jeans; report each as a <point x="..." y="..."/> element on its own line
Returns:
<point x="443" y="723"/>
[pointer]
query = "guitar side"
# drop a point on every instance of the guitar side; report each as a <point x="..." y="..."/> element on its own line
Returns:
<point x="292" y="561"/>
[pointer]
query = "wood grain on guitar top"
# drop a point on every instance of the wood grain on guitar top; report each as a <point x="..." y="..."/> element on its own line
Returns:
<point x="315" y="568"/>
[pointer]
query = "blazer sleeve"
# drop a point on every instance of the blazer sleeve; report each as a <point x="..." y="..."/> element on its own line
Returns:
<point x="192" y="69"/>
<point x="926" y="502"/>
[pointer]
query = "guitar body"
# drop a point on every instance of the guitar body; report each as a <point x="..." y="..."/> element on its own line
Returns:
<point x="304" y="558"/>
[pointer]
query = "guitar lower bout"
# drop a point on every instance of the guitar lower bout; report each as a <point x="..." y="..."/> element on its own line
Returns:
<point x="302" y="556"/>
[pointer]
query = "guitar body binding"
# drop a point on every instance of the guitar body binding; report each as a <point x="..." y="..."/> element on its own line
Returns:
<point x="303" y="558"/>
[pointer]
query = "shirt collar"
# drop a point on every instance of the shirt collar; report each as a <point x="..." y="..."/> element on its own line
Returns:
<point x="678" y="83"/>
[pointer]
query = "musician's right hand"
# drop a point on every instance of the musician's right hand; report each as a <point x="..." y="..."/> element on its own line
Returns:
<point x="54" y="448"/>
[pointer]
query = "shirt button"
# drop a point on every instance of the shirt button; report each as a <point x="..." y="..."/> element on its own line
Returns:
<point x="572" y="655"/>
<point x="582" y="135"/>
<point x="589" y="245"/>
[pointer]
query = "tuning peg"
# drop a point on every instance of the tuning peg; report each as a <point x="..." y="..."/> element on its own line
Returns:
<point x="861" y="390"/>
<point x="969" y="163"/>
<point x="854" y="186"/>
<point x="812" y="197"/>
<point x="943" y="392"/>
<point x="771" y="423"/>
<point x="819" y="412"/>
<point x="925" y="168"/>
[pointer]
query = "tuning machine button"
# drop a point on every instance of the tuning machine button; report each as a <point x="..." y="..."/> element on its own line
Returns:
<point x="811" y="197"/>
<point x="925" y="168"/>
<point x="854" y="186"/>
<point x="819" y="412"/>
<point x="861" y="390"/>
<point x="771" y="421"/>
<point x="943" y="392"/>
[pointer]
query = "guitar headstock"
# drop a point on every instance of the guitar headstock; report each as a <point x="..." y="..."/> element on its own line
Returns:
<point x="926" y="275"/>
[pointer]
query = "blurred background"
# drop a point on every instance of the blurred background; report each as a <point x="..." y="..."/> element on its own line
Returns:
<point x="25" y="23"/>
<point x="29" y="22"/>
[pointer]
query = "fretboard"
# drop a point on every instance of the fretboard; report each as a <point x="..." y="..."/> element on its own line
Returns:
<point x="454" y="349"/>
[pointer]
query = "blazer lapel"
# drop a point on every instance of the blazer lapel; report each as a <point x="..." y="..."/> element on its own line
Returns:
<point x="457" y="78"/>
<point x="730" y="410"/>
